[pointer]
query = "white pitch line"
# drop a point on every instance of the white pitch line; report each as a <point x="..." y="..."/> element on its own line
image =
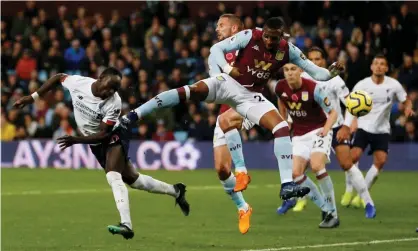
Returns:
<point x="357" y="243"/>
<point x="85" y="191"/>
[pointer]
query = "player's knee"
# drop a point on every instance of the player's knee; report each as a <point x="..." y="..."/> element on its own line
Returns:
<point x="317" y="166"/>
<point x="227" y="124"/>
<point x="129" y="178"/>
<point x="379" y="163"/>
<point x="346" y="164"/>
<point x="197" y="92"/>
<point x="355" y="156"/>
<point x="224" y="171"/>
<point x="296" y="173"/>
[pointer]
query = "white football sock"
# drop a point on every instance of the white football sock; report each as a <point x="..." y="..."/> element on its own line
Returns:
<point x="359" y="184"/>
<point x="149" y="184"/>
<point x="120" y="192"/>
<point x="327" y="189"/>
<point x="371" y="176"/>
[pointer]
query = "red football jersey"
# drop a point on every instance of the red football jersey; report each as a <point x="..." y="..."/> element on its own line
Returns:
<point x="306" y="113"/>
<point x="257" y="64"/>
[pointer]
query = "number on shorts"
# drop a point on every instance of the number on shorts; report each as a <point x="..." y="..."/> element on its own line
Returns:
<point x="260" y="99"/>
<point x="318" y="143"/>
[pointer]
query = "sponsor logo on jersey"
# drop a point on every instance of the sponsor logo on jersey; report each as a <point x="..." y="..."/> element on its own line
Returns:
<point x="220" y="78"/>
<point x="261" y="64"/>
<point x="255" y="47"/>
<point x="294" y="105"/>
<point x="305" y="96"/>
<point x="279" y="55"/>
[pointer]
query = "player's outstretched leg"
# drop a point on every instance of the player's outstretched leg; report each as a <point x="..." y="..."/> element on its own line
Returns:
<point x="197" y="92"/>
<point x="230" y="121"/>
<point x="223" y="168"/>
<point x="151" y="185"/>
<point x="271" y="120"/>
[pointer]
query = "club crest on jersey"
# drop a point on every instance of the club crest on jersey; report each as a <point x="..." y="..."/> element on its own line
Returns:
<point x="305" y="96"/>
<point x="220" y="78"/>
<point x="261" y="64"/>
<point x="229" y="56"/>
<point x="295" y="97"/>
<point x="279" y="55"/>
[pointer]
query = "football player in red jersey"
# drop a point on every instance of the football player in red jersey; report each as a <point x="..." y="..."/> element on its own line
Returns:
<point x="262" y="53"/>
<point x="307" y="104"/>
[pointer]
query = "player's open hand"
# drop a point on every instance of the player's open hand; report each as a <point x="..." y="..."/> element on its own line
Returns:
<point x="343" y="134"/>
<point x="336" y="68"/>
<point x="235" y="72"/>
<point x="322" y="132"/>
<point x="65" y="141"/>
<point x="22" y="102"/>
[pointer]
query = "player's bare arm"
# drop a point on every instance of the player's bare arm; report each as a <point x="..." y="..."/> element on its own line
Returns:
<point x="409" y="110"/>
<point x="297" y="57"/>
<point x="332" y="118"/>
<point x="103" y="134"/>
<point x="46" y="87"/>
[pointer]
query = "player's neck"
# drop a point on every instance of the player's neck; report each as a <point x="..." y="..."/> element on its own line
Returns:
<point x="296" y="86"/>
<point x="378" y="79"/>
<point x="95" y="89"/>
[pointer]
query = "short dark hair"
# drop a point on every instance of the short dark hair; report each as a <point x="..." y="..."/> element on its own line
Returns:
<point x="317" y="49"/>
<point x="111" y="71"/>
<point x="275" y="23"/>
<point x="381" y="56"/>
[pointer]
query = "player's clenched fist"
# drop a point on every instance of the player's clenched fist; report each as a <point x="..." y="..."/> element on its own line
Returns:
<point x="343" y="134"/>
<point x="22" y="102"/>
<point x="336" y="68"/>
<point x="234" y="72"/>
<point x="65" y="141"/>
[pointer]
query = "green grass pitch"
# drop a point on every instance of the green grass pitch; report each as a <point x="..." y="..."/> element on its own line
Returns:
<point x="57" y="210"/>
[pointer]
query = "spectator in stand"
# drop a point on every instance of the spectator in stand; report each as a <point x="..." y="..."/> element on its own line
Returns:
<point x="8" y="130"/>
<point x="64" y="129"/>
<point x="162" y="134"/>
<point x="26" y="65"/>
<point x="408" y="73"/>
<point x="74" y="56"/>
<point x="35" y="29"/>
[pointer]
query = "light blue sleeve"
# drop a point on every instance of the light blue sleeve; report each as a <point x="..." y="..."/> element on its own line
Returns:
<point x="236" y="42"/>
<point x="297" y="57"/>
<point x="321" y="98"/>
<point x="213" y="67"/>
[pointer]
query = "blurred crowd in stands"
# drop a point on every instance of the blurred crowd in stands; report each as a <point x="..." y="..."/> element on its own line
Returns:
<point x="159" y="47"/>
